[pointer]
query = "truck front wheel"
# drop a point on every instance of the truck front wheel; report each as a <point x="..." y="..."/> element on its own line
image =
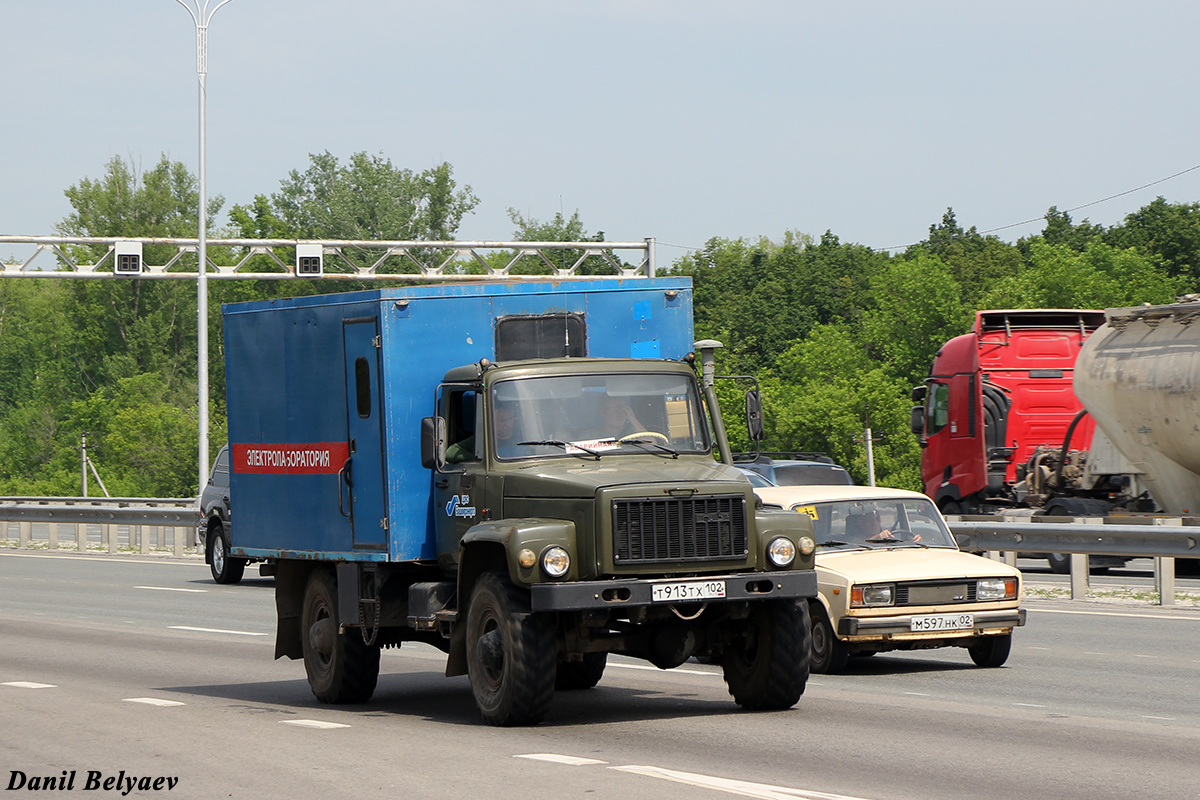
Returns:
<point x="767" y="667"/>
<point x="585" y="674"/>
<point x="511" y="653"/>
<point x="341" y="667"/>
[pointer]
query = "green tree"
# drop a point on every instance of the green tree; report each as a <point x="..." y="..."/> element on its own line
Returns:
<point x="918" y="305"/>
<point x="819" y="397"/>
<point x="1101" y="276"/>
<point x="976" y="261"/>
<point x="1168" y="230"/>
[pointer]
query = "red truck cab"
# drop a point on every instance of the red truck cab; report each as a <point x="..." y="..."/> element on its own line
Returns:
<point x="993" y="396"/>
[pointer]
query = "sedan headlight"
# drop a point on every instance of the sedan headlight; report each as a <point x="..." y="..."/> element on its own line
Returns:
<point x="996" y="589"/>
<point x="555" y="561"/>
<point x="781" y="551"/>
<point x="882" y="594"/>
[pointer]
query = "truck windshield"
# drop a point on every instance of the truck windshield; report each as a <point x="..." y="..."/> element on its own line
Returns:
<point x="597" y="415"/>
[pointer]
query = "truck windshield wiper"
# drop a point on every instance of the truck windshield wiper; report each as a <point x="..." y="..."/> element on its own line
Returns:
<point x="643" y="442"/>
<point x="566" y="446"/>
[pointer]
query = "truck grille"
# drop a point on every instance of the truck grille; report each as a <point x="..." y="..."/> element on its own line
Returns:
<point x="679" y="529"/>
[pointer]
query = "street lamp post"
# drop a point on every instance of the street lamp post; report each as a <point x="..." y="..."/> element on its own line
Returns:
<point x="202" y="15"/>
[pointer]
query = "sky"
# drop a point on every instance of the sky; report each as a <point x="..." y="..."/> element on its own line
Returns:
<point x="680" y="120"/>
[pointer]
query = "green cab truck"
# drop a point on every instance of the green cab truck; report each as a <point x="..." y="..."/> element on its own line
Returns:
<point x="528" y="476"/>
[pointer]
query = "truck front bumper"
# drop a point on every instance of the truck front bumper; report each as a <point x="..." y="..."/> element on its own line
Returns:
<point x="628" y="593"/>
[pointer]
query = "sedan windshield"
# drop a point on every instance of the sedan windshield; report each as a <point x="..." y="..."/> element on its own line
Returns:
<point x="877" y="523"/>
<point x="597" y="415"/>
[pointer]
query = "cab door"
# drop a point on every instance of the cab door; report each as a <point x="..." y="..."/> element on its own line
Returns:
<point x="458" y="484"/>
<point x="362" y="488"/>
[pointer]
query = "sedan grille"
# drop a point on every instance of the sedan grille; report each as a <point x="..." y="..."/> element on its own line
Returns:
<point x="931" y="593"/>
<point x="679" y="529"/>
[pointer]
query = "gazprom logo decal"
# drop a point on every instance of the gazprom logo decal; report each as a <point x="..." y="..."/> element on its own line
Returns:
<point x="457" y="507"/>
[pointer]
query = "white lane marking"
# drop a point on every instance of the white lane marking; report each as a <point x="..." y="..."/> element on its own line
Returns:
<point x="1166" y="719"/>
<point x="1091" y="653"/>
<point x="29" y="685"/>
<point x="555" y="758"/>
<point x="171" y="589"/>
<point x="918" y="694"/>
<point x="1110" y="614"/>
<point x="1141" y="655"/>
<point x="104" y="557"/>
<point x="214" y="630"/>
<point x="1036" y="648"/>
<point x="153" y="701"/>
<point x="744" y="788"/>
<point x="675" y="671"/>
<point x="1028" y="705"/>
<point x="312" y="723"/>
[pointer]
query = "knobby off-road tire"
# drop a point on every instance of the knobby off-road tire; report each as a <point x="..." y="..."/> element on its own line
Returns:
<point x="511" y="653"/>
<point x="574" y="675"/>
<point x="224" y="567"/>
<point x="991" y="651"/>
<point x="829" y="654"/>
<point x="340" y="667"/>
<point x="767" y="669"/>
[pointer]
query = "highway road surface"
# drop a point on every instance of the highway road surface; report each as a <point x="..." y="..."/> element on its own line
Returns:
<point x="140" y="677"/>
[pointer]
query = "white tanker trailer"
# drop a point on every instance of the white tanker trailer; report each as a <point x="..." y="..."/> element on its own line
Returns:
<point x="1138" y="376"/>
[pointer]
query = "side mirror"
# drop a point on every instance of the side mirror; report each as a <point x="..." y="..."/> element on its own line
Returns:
<point x="433" y="442"/>
<point x="918" y="393"/>
<point x="916" y="420"/>
<point x="754" y="418"/>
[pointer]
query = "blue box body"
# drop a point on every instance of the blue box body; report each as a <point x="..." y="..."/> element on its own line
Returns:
<point x="290" y="374"/>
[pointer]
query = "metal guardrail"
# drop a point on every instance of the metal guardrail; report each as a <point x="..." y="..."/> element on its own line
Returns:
<point x="1087" y="538"/>
<point x="168" y="522"/>
<point x="1162" y="538"/>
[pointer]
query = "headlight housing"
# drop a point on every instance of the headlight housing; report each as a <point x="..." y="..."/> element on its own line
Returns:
<point x="781" y="552"/>
<point x="996" y="589"/>
<point x="555" y="561"/>
<point x="872" y="595"/>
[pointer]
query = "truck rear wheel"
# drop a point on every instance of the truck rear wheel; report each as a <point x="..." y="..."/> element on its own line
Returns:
<point x="767" y="668"/>
<point x="511" y="653"/>
<point x="341" y="667"/>
<point x="573" y="675"/>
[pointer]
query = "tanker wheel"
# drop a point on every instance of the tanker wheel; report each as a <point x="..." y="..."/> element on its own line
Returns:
<point x="829" y="654"/>
<point x="341" y="667"/>
<point x="511" y="653"/>
<point x="1060" y="563"/>
<point x="766" y="667"/>
<point x="224" y="567"/>
<point x="574" y="675"/>
<point x="991" y="651"/>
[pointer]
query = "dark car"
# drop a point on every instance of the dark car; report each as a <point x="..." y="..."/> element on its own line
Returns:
<point x="815" y="470"/>
<point x="213" y="529"/>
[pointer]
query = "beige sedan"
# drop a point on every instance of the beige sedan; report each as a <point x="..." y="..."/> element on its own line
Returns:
<point x="891" y="577"/>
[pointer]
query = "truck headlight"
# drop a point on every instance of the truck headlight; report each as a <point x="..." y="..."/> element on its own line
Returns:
<point x="807" y="546"/>
<point x="881" y="594"/>
<point x="781" y="551"/>
<point x="555" y="561"/>
<point x="996" y="589"/>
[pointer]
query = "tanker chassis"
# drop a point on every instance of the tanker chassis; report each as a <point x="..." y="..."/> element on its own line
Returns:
<point x="520" y="474"/>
